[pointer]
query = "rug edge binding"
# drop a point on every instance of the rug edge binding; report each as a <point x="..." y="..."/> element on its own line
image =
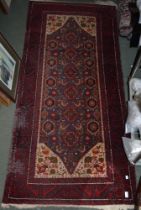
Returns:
<point x="104" y="207"/>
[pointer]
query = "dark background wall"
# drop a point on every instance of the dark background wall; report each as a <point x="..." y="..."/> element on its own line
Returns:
<point x="13" y="24"/>
<point x="12" y="27"/>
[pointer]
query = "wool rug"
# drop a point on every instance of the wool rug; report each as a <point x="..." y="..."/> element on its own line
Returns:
<point x="67" y="147"/>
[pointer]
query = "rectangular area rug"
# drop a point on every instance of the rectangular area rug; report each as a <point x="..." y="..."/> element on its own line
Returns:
<point x="67" y="147"/>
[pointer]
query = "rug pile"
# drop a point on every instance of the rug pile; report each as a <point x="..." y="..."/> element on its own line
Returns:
<point x="67" y="147"/>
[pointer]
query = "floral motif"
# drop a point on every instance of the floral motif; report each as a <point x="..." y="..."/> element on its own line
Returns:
<point x="54" y="22"/>
<point x="49" y="165"/>
<point x="69" y="95"/>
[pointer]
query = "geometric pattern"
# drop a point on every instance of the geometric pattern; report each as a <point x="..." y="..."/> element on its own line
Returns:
<point x="70" y="112"/>
<point x="70" y="99"/>
<point x="49" y="165"/>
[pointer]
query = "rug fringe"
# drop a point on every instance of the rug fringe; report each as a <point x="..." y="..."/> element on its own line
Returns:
<point x="98" y="207"/>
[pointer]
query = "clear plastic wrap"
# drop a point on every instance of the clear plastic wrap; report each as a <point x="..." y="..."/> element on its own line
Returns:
<point x="132" y="146"/>
<point x="132" y="149"/>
